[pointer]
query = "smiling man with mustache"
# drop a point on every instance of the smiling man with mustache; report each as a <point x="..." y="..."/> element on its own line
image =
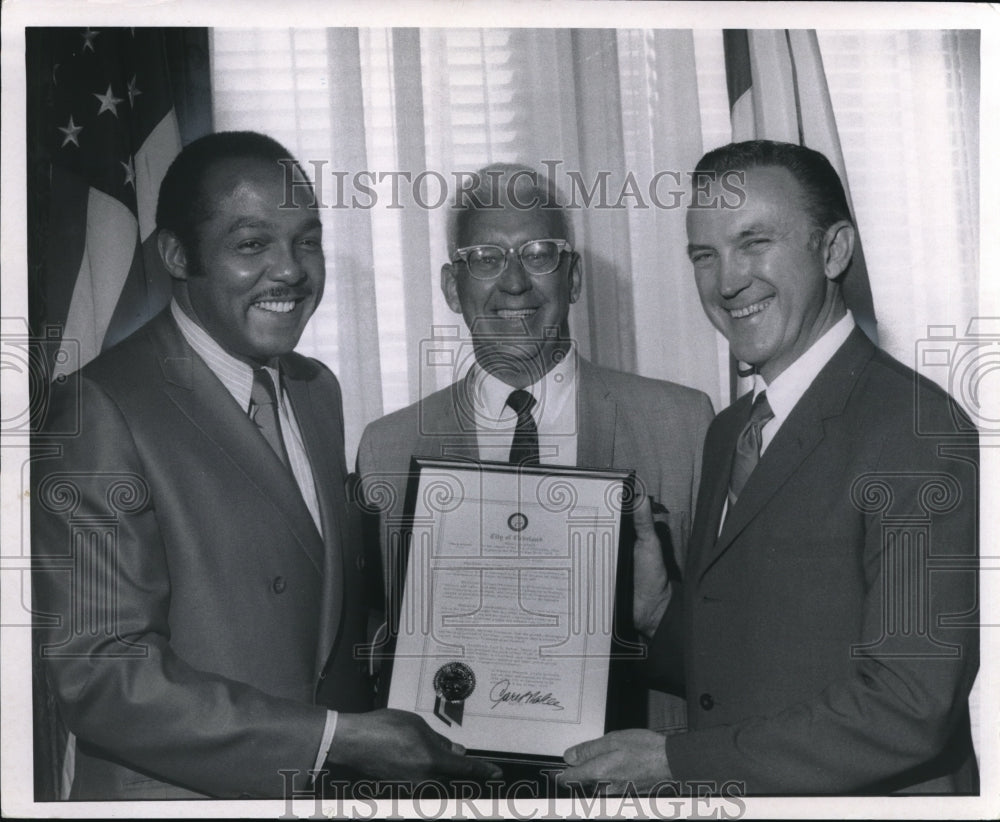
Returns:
<point x="208" y="647"/>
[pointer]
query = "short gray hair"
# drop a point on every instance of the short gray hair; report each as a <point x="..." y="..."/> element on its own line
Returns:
<point x="503" y="185"/>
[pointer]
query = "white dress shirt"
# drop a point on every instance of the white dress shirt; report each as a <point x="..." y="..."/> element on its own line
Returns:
<point x="554" y="413"/>
<point x="785" y="390"/>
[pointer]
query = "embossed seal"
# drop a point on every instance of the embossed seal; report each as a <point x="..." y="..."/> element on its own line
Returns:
<point x="454" y="682"/>
<point x="517" y="521"/>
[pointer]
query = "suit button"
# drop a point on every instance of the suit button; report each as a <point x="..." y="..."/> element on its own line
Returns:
<point x="360" y="562"/>
<point x="706" y="701"/>
<point x="278" y="585"/>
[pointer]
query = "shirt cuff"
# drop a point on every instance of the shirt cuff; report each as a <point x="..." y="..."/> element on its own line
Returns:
<point x="324" y="744"/>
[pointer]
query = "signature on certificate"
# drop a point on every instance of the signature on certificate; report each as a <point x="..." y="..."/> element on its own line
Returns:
<point x="501" y="692"/>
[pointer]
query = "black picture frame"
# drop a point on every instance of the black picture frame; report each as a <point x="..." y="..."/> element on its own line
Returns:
<point x="625" y="703"/>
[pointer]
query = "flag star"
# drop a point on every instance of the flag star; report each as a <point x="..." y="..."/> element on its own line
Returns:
<point x="129" y="173"/>
<point x="72" y="131"/>
<point x="108" y="102"/>
<point x="133" y="92"/>
<point x="88" y="39"/>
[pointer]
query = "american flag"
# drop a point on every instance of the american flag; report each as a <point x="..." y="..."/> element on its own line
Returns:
<point x="108" y="131"/>
<point x="101" y="133"/>
<point x="778" y="91"/>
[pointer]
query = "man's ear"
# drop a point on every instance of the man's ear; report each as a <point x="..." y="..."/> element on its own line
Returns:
<point x="575" y="277"/>
<point x="173" y="254"/>
<point x="449" y="285"/>
<point x="838" y="248"/>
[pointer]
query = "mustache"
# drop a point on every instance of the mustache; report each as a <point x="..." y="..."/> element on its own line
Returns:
<point x="283" y="293"/>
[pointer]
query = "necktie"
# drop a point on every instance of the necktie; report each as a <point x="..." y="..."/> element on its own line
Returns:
<point x="748" y="446"/>
<point x="264" y="412"/>
<point x="524" y="449"/>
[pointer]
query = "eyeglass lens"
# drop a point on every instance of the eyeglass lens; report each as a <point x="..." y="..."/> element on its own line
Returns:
<point x="537" y="258"/>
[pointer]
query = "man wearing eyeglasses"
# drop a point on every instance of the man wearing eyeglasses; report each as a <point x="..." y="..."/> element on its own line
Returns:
<point x="529" y="397"/>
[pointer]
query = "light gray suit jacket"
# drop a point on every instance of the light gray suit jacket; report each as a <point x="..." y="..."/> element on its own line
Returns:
<point x="624" y="421"/>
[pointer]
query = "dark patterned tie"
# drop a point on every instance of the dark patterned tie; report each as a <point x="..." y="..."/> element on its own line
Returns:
<point x="524" y="449"/>
<point x="264" y="412"/>
<point x="748" y="446"/>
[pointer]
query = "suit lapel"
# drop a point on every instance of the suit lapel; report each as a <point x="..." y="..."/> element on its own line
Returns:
<point x="204" y="400"/>
<point x="798" y="437"/>
<point x="597" y="414"/>
<point x="795" y="440"/>
<point x="322" y="450"/>
<point x="715" y="483"/>
<point x="448" y="427"/>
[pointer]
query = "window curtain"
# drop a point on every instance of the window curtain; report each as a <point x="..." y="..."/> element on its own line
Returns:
<point x="615" y="107"/>
<point x="907" y="106"/>
<point x="599" y="107"/>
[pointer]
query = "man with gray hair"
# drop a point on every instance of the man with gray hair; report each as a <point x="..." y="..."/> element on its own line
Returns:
<point x="529" y="397"/>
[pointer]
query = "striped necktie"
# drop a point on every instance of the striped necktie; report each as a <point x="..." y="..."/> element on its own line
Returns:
<point x="747" y="452"/>
<point x="264" y="412"/>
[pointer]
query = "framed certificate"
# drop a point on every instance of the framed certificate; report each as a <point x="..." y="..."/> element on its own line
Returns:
<point x="512" y="631"/>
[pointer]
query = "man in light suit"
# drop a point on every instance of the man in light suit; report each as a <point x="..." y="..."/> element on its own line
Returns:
<point x="827" y="620"/>
<point x="512" y="275"/>
<point x="200" y="572"/>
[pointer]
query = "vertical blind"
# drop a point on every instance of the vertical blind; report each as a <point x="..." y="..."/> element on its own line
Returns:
<point x="443" y="100"/>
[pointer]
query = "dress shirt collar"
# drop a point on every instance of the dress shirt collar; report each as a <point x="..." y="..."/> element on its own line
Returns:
<point x="234" y="374"/>
<point x="551" y="393"/>
<point x="788" y="387"/>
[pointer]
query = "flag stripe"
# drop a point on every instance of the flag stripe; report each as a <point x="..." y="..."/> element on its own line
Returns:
<point x="111" y="239"/>
<point x="145" y="293"/>
<point x="68" y="193"/>
<point x="112" y="232"/>
<point x="151" y="163"/>
<point x="744" y="124"/>
<point x="796" y="85"/>
<point x="819" y="131"/>
<point x="736" y="45"/>
<point x="775" y="112"/>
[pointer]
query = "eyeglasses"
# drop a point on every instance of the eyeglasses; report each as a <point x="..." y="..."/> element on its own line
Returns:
<point x="537" y="257"/>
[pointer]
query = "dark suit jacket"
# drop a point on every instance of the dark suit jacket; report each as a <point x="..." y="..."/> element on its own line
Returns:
<point x="198" y="622"/>
<point x="624" y="421"/>
<point x="829" y="631"/>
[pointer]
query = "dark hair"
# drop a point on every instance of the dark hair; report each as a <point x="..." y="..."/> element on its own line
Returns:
<point x="494" y="187"/>
<point x="181" y="205"/>
<point x="822" y="190"/>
